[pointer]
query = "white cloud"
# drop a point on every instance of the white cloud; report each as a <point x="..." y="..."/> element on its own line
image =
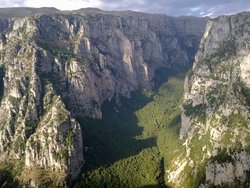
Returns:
<point x="63" y="4"/>
<point x="169" y="7"/>
<point x="194" y="9"/>
<point x="10" y="3"/>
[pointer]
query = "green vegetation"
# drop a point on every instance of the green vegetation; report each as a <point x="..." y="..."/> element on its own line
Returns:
<point x="240" y="87"/>
<point x="9" y="169"/>
<point x="19" y="144"/>
<point x="223" y="156"/>
<point x="69" y="138"/>
<point x="134" y="144"/>
<point x="198" y="148"/>
<point x="237" y="120"/>
<point x="135" y="171"/>
<point x="246" y="93"/>
<point x="56" y="49"/>
<point x="64" y="51"/>
<point x="45" y="177"/>
<point x="64" y="153"/>
<point x="195" y="111"/>
<point x="191" y="110"/>
<point x="2" y="74"/>
<point x="226" y="50"/>
<point x="50" y="100"/>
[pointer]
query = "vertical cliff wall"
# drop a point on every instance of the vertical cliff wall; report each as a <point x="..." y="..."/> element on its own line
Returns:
<point x="56" y="66"/>
<point x="216" y="109"/>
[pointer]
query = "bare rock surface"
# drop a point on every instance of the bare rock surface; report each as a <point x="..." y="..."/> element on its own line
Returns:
<point x="55" y="66"/>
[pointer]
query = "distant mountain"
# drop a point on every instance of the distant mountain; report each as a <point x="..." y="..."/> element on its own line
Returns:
<point x="25" y="11"/>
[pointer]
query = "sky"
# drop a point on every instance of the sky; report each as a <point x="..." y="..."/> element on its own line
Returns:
<point x="210" y="8"/>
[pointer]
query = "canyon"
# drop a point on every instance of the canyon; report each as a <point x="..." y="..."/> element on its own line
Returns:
<point x="59" y="67"/>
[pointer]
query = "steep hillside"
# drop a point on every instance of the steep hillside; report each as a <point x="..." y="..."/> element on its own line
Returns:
<point x="56" y="66"/>
<point x="130" y="148"/>
<point x="216" y="109"/>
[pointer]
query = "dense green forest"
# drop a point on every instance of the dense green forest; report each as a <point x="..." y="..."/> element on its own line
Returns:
<point x="134" y="143"/>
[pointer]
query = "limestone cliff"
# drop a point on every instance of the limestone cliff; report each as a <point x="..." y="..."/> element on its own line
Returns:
<point x="216" y="108"/>
<point x="58" y="65"/>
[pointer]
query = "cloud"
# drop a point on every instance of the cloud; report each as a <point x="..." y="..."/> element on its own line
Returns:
<point x="59" y="4"/>
<point x="169" y="7"/>
<point x="11" y="3"/>
<point x="180" y="7"/>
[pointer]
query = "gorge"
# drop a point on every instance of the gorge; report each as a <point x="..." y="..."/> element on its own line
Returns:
<point x="93" y="98"/>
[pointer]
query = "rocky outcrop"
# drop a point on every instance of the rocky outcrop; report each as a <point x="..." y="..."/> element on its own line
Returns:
<point x="57" y="143"/>
<point x="109" y="56"/>
<point x="216" y="107"/>
<point x="229" y="172"/>
<point x="35" y="123"/>
<point x="59" y="65"/>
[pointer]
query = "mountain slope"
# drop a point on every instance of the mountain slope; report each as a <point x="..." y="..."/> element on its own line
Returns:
<point x="56" y="66"/>
<point x="216" y="110"/>
<point x="130" y="146"/>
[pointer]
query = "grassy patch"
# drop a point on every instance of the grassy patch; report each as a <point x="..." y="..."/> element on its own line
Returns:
<point x="44" y="177"/>
<point x="9" y="170"/>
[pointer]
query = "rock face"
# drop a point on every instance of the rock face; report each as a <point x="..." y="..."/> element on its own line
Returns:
<point x="57" y="142"/>
<point x="59" y="65"/>
<point x="216" y="107"/>
<point x="229" y="172"/>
